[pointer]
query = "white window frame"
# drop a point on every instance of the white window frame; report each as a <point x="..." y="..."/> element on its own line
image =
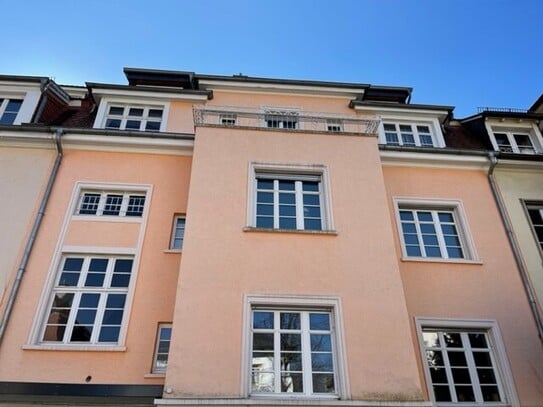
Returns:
<point x="497" y="351"/>
<point x="3" y="106"/>
<point x="297" y="173"/>
<point x="30" y="97"/>
<point x="460" y="221"/>
<point x="228" y="119"/>
<point x="528" y="129"/>
<point x="126" y="195"/>
<point x="107" y="102"/>
<point x="79" y="290"/>
<point x="432" y="123"/>
<point x="176" y="219"/>
<point x="281" y="112"/>
<point x="296" y="302"/>
<point x="156" y="368"/>
<point x="530" y="205"/>
<point x="334" y="125"/>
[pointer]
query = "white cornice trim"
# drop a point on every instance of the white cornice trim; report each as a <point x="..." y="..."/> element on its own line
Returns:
<point x="433" y="160"/>
<point x="519" y="165"/>
<point x="128" y="144"/>
<point x="146" y="95"/>
<point x="27" y="140"/>
<point x="280" y="88"/>
<point x="18" y="87"/>
<point x="404" y="110"/>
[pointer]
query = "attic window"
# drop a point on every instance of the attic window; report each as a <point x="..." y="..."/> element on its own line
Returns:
<point x="134" y="117"/>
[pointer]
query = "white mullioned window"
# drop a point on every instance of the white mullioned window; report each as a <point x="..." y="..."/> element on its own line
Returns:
<point x="288" y="202"/>
<point x="434" y="229"/>
<point x="519" y="142"/>
<point x="88" y="300"/>
<point x="407" y="134"/>
<point x="178" y="233"/>
<point x="162" y="348"/>
<point x="228" y="119"/>
<point x="465" y="362"/>
<point x="133" y="117"/>
<point x="293" y="352"/>
<point x="9" y="108"/>
<point x="111" y="203"/>
<point x="535" y="216"/>
<point x="334" y="125"/>
<point x="282" y="119"/>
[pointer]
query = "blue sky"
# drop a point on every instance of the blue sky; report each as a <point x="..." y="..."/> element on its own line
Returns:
<point x="464" y="53"/>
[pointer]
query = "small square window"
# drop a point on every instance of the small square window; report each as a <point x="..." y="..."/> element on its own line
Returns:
<point x="228" y="119"/>
<point x="162" y="348"/>
<point x="434" y="230"/>
<point x="334" y="125"/>
<point x="281" y="119"/>
<point x="178" y="233"/>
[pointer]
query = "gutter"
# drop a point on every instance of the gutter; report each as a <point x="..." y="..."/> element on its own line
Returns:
<point x="514" y="245"/>
<point x="33" y="233"/>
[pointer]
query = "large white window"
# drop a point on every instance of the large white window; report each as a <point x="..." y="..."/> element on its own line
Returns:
<point x="434" y="230"/>
<point x="9" y="108"/>
<point x="289" y="197"/>
<point x="133" y="117"/>
<point x="465" y="362"/>
<point x="406" y="134"/>
<point x="88" y="300"/>
<point x="111" y="203"/>
<point x="535" y="216"/>
<point x="162" y="348"/>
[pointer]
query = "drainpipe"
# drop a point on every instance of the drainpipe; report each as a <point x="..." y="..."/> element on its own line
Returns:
<point x="514" y="245"/>
<point x="30" y="242"/>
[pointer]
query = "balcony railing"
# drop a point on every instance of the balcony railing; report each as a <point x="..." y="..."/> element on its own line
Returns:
<point x="501" y="110"/>
<point x="283" y="120"/>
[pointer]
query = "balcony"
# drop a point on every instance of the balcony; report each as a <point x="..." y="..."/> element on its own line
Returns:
<point x="284" y="120"/>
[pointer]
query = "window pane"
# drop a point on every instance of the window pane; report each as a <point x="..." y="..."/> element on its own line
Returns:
<point x="321" y="343"/>
<point x="438" y="375"/>
<point x="291" y="383"/>
<point x="290" y="320"/>
<point x="319" y="322"/>
<point x="322" y="362"/>
<point x="264" y="197"/>
<point x="264" y="222"/>
<point x="482" y="359"/>
<point x="310" y="186"/>
<point x="135" y="111"/>
<point x="109" y="334"/>
<point x="491" y="393"/>
<point x="287" y="223"/>
<point x="132" y="125"/>
<point x="291" y="342"/>
<point x="113" y="123"/>
<point x="155" y="112"/>
<point x="117" y="111"/>
<point x="452" y="340"/>
<point x="264" y="184"/>
<point x="262" y="341"/>
<point x="323" y="383"/>
<point x="442" y="393"/>
<point x="152" y="126"/>
<point x="262" y="320"/>
<point x="263" y="382"/>
<point x="457" y="358"/>
<point x="286" y="185"/>
<point x="477" y="340"/>
<point x="431" y="339"/>
<point x="464" y="393"/>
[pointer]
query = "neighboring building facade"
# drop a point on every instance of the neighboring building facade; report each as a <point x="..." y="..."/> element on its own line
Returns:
<point x="342" y="247"/>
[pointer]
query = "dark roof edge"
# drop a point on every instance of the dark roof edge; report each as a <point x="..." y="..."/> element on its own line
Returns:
<point x="21" y="78"/>
<point x="401" y="105"/>
<point x="95" y="85"/>
<point x="536" y="104"/>
<point x="512" y="115"/>
<point x="437" y="150"/>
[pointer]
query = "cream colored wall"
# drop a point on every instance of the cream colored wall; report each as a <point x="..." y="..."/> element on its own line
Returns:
<point x="491" y="290"/>
<point x="25" y="172"/>
<point x="154" y="288"/>
<point x="222" y="263"/>
<point x="515" y="187"/>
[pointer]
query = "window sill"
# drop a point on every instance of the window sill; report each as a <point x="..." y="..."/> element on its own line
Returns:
<point x="155" y="375"/>
<point x="107" y="218"/>
<point x="436" y="260"/>
<point x="253" y="229"/>
<point x="172" y="251"/>
<point x="77" y="348"/>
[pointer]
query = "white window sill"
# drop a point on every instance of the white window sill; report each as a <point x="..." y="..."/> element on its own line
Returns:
<point x="295" y="231"/>
<point x="174" y="251"/>
<point x="438" y="260"/>
<point x="83" y="348"/>
<point x="155" y="375"/>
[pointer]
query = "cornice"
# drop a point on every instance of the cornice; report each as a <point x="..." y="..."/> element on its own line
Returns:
<point x="434" y="160"/>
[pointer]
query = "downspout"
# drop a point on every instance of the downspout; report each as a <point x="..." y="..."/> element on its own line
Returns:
<point x="33" y="233"/>
<point x="514" y="245"/>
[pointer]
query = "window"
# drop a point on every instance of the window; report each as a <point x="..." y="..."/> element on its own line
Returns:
<point x="9" y="109"/>
<point x="535" y="215"/>
<point x="461" y="366"/>
<point x="514" y="142"/>
<point x="88" y="300"/>
<point x="281" y="119"/>
<point x="178" y="233"/>
<point x="434" y="229"/>
<point x="411" y="135"/>
<point x="334" y="125"/>
<point x="292" y="352"/>
<point x="141" y="118"/>
<point x="288" y="202"/>
<point x="111" y="204"/>
<point x="162" y="348"/>
<point x="227" y="119"/>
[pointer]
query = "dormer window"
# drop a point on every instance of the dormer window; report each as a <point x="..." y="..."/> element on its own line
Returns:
<point x="408" y="134"/>
<point x="515" y="142"/>
<point x="517" y="138"/>
<point x="139" y="118"/>
<point x="9" y="108"/>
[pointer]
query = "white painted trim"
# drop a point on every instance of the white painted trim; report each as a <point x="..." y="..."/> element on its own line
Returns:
<point x="75" y="348"/>
<point x="429" y="121"/>
<point x="101" y="115"/>
<point x="509" y="127"/>
<point x="460" y="218"/>
<point x="292" y="300"/>
<point x="204" y="402"/>
<point x="497" y="346"/>
<point x="53" y="269"/>
<point x="433" y="160"/>
<point x="403" y="110"/>
<point x="290" y="169"/>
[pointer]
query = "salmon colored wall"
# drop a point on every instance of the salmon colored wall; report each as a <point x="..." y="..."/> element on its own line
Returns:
<point x="154" y="289"/>
<point x="222" y="263"/>
<point x="112" y="234"/>
<point x="180" y="118"/>
<point x="491" y="290"/>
